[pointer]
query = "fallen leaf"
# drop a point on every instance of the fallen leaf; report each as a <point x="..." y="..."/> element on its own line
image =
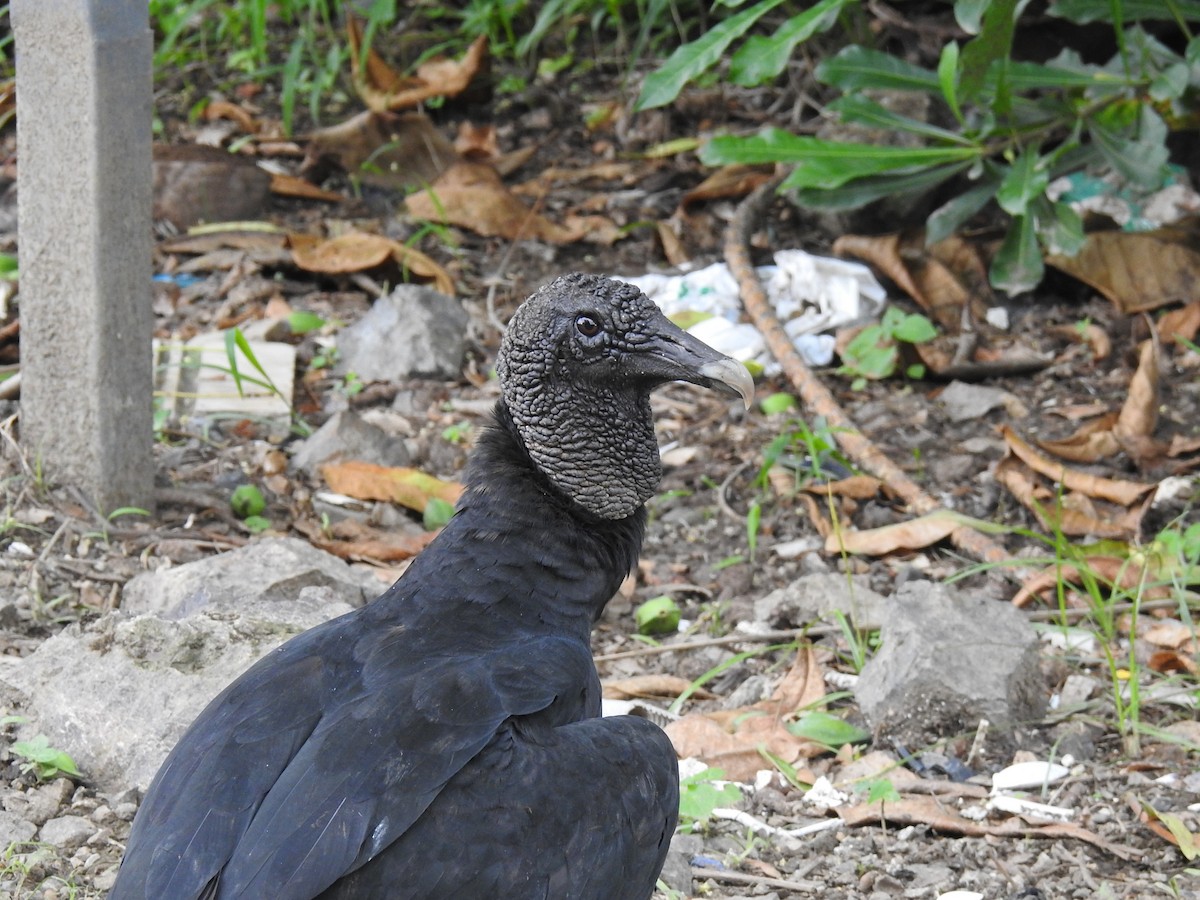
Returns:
<point x="801" y="687"/>
<point x="1114" y="570"/>
<point x="471" y="195"/>
<point x="941" y="817"/>
<point x="293" y="186"/>
<point x="357" y="251"/>
<point x="1018" y="480"/>
<point x="408" y="487"/>
<point x="478" y="142"/>
<point x="1137" y="271"/>
<point x="382" y="88"/>
<point x="1172" y="661"/>
<point x="1089" y="333"/>
<point x="223" y="109"/>
<point x="654" y="685"/>
<point x="731" y="181"/>
<point x="1122" y="492"/>
<point x="1181" y="324"/>
<point x="943" y="279"/>
<point x="912" y="534"/>
<point x="354" y="251"/>
<point x="395" y="151"/>
<point x="1092" y="442"/>
<point x="698" y="736"/>
<point x="354" y="540"/>
<point x="1139" y="413"/>
<point x="856" y="487"/>
<point x="672" y="246"/>
<point x="1173" y="634"/>
<point x="1182" y="445"/>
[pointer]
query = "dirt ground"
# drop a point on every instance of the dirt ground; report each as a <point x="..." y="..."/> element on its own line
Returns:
<point x="60" y="564"/>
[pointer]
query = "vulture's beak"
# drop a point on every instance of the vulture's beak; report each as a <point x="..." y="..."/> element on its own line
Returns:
<point x="671" y="354"/>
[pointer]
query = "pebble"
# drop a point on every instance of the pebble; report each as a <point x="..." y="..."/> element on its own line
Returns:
<point x="67" y="832"/>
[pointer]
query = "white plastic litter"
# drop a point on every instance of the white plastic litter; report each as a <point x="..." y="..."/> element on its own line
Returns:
<point x="810" y="294"/>
<point x="824" y="794"/>
<point x="1028" y="809"/>
<point x="1028" y="775"/>
<point x="960" y="895"/>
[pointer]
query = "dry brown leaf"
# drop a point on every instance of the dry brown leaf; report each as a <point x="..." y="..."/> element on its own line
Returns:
<point x="672" y="246"/>
<point x="816" y="515"/>
<point x="941" y="817"/>
<point x="1181" y="324"/>
<point x="701" y="737"/>
<point x="1120" y="572"/>
<point x="478" y="142"/>
<point x="802" y="686"/>
<point x="1092" y="442"/>
<point x="1182" y="445"/>
<point x="942" y="279"/>
<point x="1012" y="474"/>
<point x="382" y="88"/>
<point x="408" y="487"/>
<point x="734" y="181"/>
<point x="1137" y="271"/>
<point x="1172" y="661"/>
<point x="912" y="534"/>
<point x="1090" y="333"/>
<point x="354" y="251"/>
<point x="396" y="151"/>
<point x="654" y="685"/>
<point x="223" y="109"/>
<point x="472" y="196"/>
<point x="292" y="186"/>
<point x="856" y="487"/>
<point x="358" y="541"/>
<point x="1139" y="414"/>
<point x="1172" y="634"/>
<point x="1119" y="491"/>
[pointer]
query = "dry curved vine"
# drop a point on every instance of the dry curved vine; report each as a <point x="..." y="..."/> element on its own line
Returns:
<point x="814" y="395"/>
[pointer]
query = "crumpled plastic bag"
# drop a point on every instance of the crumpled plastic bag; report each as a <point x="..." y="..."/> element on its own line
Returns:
<point x="810" y="295"/>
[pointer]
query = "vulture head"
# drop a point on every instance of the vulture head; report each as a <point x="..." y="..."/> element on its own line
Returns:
<point x="576" y="369"/>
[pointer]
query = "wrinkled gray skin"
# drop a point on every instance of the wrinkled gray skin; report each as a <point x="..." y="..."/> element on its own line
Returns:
<point x="608" y="471"/>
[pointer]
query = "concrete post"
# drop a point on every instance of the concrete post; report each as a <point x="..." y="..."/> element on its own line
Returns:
<point x="84" y="172"/>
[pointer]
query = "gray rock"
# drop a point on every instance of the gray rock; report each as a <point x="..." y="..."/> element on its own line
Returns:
<point x="948" y="660"/>
<point x="965" y="402"/>
<point x="15" y="829"/>
<point x="346" y="435"/>
<point x="677" y="869"/>
<point x="816" y="596"/>
<point x="413" y="332"/>
<point x="268" y="571"/>
<point x="117" y="693"/>
<point x="67" y="832"/>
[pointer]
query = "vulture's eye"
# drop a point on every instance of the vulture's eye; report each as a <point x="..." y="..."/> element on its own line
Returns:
<point x="587" y="326"/>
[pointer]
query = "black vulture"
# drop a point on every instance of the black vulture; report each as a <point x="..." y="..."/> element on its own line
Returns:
<point x="443" y="741"/>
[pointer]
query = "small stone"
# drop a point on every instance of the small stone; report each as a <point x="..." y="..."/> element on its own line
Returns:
<point x="125" y="811"/>
<point x="413" y="332"/>
<point x="67" y="832"/>
<point x="15" y="829"/>
<point x="102" y="814"/>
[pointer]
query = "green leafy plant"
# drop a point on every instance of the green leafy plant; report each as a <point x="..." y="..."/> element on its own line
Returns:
<point x="1010" y="127"/>
<point x="659" y="615"/>
<point x="44" y="761"/>
<point x="874" y="352"/>
<point x="701" y="793"/>
<point x="826" y="728"/>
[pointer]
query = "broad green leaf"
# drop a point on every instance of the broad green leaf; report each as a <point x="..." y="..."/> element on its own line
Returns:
<point x="1141" y="159"/>
<point x="857" y="68"/>
<point x="1018" y="264"/>
<point x="947" y="72"/>
<point x="1083" y="11"/>
<point x="969" y="14"/>
<point x="1029" y="76"/>
<point x="302" y="322"/>
<point x="1170" y="83"/>
<point x="826" y="728"/>
<point x="993" y="45"/>
<point x="827" y="164"/>
<point x="860" y="109"/>
<point x="1023" y="181"/>
<point x="693" y="58"/>
<point x="1060" y="227"/>
<point x="773" y="404"/>
<point x="947" y="218"/>
<point x="881" y="790"/>
<point x="761" y="58"/>
<point x="874" y="187"/>
<point x="659" y="615"/>
<point x="915" y="329"/>
<point x="698" y="796"/>
<point x="871" y="354"/>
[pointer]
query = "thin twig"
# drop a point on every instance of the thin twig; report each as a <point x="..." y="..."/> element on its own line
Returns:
<point x="743" y="878"/>
<point x="813" y="393"/>
<point x="764" y="637"/>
